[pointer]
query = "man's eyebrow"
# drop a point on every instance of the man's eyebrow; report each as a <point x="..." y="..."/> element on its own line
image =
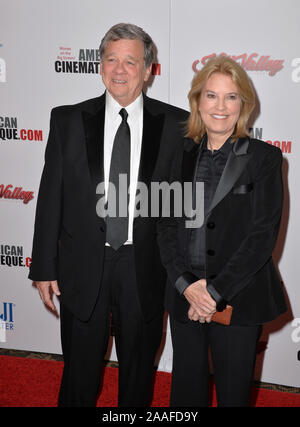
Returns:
<point x="128" y="56"/>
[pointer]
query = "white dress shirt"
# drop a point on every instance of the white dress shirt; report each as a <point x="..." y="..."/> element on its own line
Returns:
<point x="111" y="124"/>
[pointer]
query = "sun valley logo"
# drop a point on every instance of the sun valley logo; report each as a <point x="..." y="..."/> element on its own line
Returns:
<point x="252" y="62"/>
<point x="17" y="193"/>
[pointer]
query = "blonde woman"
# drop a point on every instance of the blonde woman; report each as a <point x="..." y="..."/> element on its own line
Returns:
<point x="228" y="260"/>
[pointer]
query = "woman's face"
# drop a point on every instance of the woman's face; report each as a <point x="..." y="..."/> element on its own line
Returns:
<point x="220" y="105"/>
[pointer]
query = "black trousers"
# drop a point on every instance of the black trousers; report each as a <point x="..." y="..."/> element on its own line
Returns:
<point x="233" y="351"/>
<point x="84" y="344"/>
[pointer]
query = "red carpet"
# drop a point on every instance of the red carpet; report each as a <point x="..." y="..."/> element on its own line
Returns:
<point x="35" y="383"/>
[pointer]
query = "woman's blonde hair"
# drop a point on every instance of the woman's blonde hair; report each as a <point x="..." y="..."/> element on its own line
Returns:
<point x="225" y="65"/>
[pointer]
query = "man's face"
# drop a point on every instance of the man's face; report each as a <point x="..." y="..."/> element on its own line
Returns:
<point x="122" y="70"/>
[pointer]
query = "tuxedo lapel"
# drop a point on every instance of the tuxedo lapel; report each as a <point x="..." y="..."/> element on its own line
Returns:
<point x="189" y="163"/>
<point x="191" y="155"/>
<point x="152" y="132"/>
<point x="236" y="162"/>
<point x="93" y="122"/>
<point x="189" y="170"/>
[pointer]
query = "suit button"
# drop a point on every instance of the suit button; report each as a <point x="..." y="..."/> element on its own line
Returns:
<point x="211" y="252"/>
<point x="102" y="229"/>
<point x="211" y="225"/>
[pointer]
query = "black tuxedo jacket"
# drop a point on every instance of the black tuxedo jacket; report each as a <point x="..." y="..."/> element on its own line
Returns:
<point x="69" y="237"/>
<point x="241" y="229"/>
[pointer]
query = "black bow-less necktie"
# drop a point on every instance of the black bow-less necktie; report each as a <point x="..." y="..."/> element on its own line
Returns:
<point x="117" y="226"/>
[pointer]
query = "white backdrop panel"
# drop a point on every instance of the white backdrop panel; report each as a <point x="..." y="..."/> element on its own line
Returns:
<point x="266" y="28"/>
<point x="35" y="34"/>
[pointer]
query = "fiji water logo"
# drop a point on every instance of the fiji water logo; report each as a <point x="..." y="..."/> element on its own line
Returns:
<point x="6" y="319"/>
<point x="7" y="312"/>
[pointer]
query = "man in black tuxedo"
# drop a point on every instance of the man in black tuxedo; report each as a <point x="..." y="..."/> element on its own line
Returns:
<point x="103" y="266"/>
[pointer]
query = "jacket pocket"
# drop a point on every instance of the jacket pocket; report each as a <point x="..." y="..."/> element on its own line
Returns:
<point x="243" y="189"/>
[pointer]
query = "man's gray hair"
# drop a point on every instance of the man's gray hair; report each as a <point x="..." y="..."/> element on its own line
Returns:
<point x="129" y="32"/>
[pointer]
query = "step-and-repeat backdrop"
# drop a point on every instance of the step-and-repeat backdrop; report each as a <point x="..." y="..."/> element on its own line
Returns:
<point x="49" y="56"/>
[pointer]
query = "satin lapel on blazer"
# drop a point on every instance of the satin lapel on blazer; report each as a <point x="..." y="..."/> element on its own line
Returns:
<point x="93" y="121"/>
<point x="152" y="132"/>
<point x="189" y="171"/>
<point x="236" y="162"/>
<point x="94" y="132"/>
<point x="190" y="155"/>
